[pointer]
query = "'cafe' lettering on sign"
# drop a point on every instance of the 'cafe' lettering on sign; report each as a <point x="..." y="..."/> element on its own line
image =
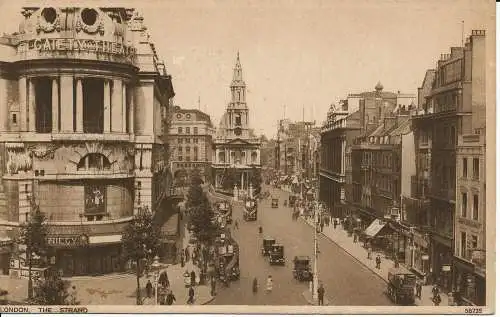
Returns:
<point x="64" y="241"/>
<point x="71" y="44"/>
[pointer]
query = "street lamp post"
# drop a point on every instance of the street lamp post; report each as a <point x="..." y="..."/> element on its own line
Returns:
<point x="314" y="287"/>
<point x="156" y="266"/>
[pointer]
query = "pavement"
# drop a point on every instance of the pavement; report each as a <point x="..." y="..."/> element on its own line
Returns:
<point x="356" y="250"/>
<point x="120" y="288"/>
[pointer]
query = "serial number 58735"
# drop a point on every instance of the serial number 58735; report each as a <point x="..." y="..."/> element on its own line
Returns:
<point x="474" y="310"/>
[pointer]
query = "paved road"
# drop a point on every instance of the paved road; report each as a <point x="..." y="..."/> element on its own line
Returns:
<point x="346" y="281"/>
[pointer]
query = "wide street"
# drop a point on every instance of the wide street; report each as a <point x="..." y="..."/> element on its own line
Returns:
<point x="346" y="281"/>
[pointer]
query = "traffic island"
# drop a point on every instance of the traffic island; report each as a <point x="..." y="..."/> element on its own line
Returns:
<point x="308" y="297"/>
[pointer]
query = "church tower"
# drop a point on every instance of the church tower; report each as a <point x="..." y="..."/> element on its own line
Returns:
<point x="237" y="110"/>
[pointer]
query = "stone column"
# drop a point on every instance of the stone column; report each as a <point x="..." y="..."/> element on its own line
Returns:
<point x="55" y="106"/>
<point x="107" y="107"/>
<point x="130" y="111"/>
<point x="66" y="103"/>
<point x="31" y="105"/>
<point x="79" y="105"/>
<point x="22" y="104"/>
<point x="116" y="106"/>
<point x="124" y="108"/>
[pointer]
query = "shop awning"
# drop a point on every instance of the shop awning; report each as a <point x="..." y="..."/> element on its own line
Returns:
<point x="374" y="228"/>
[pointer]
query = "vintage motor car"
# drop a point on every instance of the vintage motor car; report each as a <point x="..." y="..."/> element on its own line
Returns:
<point x="401" y="286"/>
<point x="274" y="203"/>
<point x="302" y="268"/>
<point x="277" y="255"/>
<point x="267" y="244"/>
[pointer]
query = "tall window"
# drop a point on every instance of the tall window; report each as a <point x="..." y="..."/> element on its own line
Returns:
<point x="237" y="119"/>
<point x="43" y="99"/>
<point x="464" y="167"/>
<point x="475" y="168"/>
<point x="93" y="105"/>
<point x="188" y="130"/>
<point x="473" y="242"/>
<point x="463" y="244"/>
<point x="195" y="158"/>
<point x="464" y="205"/>
<point x="195" y="130"/>
<point x="179" y="130"/>
<point x="475" y="208"/>
<point x="95" y="202"/>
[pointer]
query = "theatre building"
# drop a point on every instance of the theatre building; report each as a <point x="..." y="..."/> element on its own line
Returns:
<point x="83" y="103"/>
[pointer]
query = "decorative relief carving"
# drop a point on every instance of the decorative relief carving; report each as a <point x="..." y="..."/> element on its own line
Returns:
<point x="97" y="27"/>
<point x="43" y="151"/>
<point x="43" y="25"/>
<point x="18" y="160"/>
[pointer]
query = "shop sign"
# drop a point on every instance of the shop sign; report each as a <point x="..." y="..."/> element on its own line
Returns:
<point x="425" y="257"/>
<point x="72" y="44"/>
<point x="66" y="241"/>
<point x="446" y="268"/>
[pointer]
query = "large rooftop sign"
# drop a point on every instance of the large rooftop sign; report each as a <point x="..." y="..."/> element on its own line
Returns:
<point x="71" y="44"/>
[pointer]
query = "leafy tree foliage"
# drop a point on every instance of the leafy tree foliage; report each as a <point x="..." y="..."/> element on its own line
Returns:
<point x="140" y="241"/>
<point x="195" y="177"/>
<point x="230" y="179"/>
<point x="33" y="234"/>
<point x="200" y="221"/>
<point x="51" y="291"/>
<point x="256" y="180"/>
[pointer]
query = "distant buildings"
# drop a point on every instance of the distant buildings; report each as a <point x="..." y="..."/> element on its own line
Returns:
<point x="191" y="134"/>
<point x="236" y="150"/>
<point x="83" y="107"/>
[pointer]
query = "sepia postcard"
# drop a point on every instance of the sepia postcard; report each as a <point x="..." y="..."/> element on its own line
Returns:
<point x="247" y="156"/>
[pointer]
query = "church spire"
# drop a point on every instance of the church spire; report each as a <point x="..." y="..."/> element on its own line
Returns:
<point x="237" y="71"/>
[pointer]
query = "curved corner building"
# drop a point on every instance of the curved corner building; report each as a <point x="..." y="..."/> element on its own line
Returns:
<point x="83" y="108"/>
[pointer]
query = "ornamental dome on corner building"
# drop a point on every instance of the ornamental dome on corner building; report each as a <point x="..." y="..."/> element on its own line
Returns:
<point x="71" y="32"/>
<point x="379" y="87"/>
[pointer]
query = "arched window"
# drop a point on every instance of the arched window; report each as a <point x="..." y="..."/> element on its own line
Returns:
<point x="94" y="161"/>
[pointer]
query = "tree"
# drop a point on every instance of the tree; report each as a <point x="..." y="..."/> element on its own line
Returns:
<point x="201" y="220"/>
<point x="140" y="241"/>
<point x="194" y="196"/>
<point x="256" y="180"/>
<point x="229" y="179"/>
<point x="51" y="291"/>
<point x="33" y="234"/>
<point x="195" y="177"/>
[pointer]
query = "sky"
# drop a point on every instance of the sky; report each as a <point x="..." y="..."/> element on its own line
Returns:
<point x="295" y="54"/>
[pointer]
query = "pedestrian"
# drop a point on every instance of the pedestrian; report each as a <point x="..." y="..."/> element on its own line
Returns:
<point x="355" y="237"/>
<point x="321" y="295"/>
<point x="190" y="295"/>
<point x="73" y="296"/>
<point x="212" y="286"/>
<point x="435" y="290"/>
<point x="149" y="289"/>
<point x="378" y="261"/>
<point x="269" y="284"/>
<point x="170" y="298"/>
<point x="335" y="224"/>
<point x="419" y="289"/>
<point x="369" y="252"/>
<point x="236" y="224"/>
<point x="193" y="278"/>
<point x="182" y="259"/>
<point x="436" y="300"/>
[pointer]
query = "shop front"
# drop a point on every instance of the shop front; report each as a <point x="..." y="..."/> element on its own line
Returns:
<point x="6" y="245"/>
<point x="470" y="283"/>
<point x="442" y="255"/>
<point x="80" y="255"/>
<point x="420" y="261"/>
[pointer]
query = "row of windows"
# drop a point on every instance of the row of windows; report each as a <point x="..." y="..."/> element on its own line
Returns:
<point x="475" y="206"/>
<point x="188" y="149"/>
<point x="187" y="130"/>
<point x="187" y="158"/>
<point x="186" y="165"/>
<point x="188" y="140"/>
<point x="475" y="168"/>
